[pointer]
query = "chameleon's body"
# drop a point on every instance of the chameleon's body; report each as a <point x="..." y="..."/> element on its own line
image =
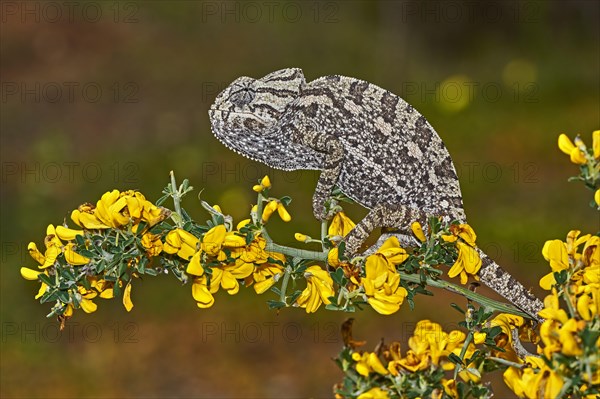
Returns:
<point x="367" y="141"/>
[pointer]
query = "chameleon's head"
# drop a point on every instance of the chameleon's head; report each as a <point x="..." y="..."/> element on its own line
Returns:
<point x="246" y="115"/>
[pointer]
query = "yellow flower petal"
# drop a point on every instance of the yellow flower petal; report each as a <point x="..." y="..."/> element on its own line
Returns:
<point x="418" y="231"/>
<point x="266" y="182"/>
<point x="73" y="257"/>
<point x="596" y="143"/>
<point x="201" y="294"/>
<point x="243" y="223"/>
<point x="41" y="291"/>
<point x="29" y="274"/>
<point x="127" y="298"/>
<point x="565" y="144"/>
<point x="35" y="253"/>
<point x="67" y="234"/>
<point x="578" y="157"/>
<point x="283" y="213"/>
<point x="195" y="267"/>
<point x="88" y="305"/>
<point x="50" y="257"/>
<point x="340" y="225"/>
<point x="213" y="239"/>
<point x="303" y="237"/>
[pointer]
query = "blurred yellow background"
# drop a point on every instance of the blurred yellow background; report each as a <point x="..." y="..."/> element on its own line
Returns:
<point x="103" y="95"/>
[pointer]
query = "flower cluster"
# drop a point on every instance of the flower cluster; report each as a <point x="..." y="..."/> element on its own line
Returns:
<point x="570" y="335"/>
<point x="587" y="159"/>
<point x="432" y="366"/>
<point x="568" y="361"/>
<point x="71" y="274"/>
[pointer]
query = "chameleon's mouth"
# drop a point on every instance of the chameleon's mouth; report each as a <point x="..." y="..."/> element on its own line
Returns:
<point x="246" y="114"/>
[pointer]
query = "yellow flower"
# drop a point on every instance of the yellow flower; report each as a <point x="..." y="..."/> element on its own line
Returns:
<point x="340" y="225"/>
<point x="73" y="257"/>
<point x="418" y="231"/>
<point x="67" y="234"/>
<point x="152" y="243"/>
<point x="213" y="239"/>
<point x="85" y="217"/>
<point x="382" y="285"/>
<point x="392" y="251"/>
<point x="374" y="393"/>
<point x="567" y="146"/>
<point x="450" y="388"/>
<point x="467" y="263"/>
<point x="104" y="288"/>
<point x="301" y="237"/>
<point x="268" y="210"/>
<point x="367" y="363"/>
<point x="465" y="232"/>
<point x="507" y="322"/>
<point x="283" y="213"/>
<point x="564" y="255"/>
<point x="569" y="338"/>
<point x="86" y="302"/>
<point x="267" y="274"/>
<point x="265" y="183"/>
<point x="29" y="274"/>
<point x="53" y="249"/>
<point x="596" y="144"/>
<point x="116" y="209"/>
<point x="412" y="362"/>
<point x="226" y="276"/>
<point x="597" y="197"/>
<point x="534" y="382"/>
<point x="588" y="303"/>
<point x="429" y="336"/>
<point x="181" y="242"/>
<point x="318" y="290"/>
<point x="552" y="310"/>
<point x="201" y="293"/>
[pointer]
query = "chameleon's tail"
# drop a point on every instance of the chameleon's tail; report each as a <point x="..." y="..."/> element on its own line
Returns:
<point x="494" y="277"/>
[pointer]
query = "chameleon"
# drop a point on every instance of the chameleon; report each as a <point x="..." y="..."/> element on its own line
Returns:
<point x="370" y="143"/>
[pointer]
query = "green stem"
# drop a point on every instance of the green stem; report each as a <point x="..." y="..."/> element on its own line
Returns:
<point x="463" y="351"/>
<point x="284" y="284"/>
<point x="323" y="233"/>
<point x="414" y="278"/>
<point x="176" y="199"/>
<point x="508" y="362"/>
<point x="567" y="298"/>
<point x="296" y="252"/>
<point x="480" y="299"/>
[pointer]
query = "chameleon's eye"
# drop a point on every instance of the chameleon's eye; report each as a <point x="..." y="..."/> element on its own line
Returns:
<point x="241" y="95"/>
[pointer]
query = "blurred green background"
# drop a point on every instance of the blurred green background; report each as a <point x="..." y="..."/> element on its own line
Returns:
<point x="103" y="95"/>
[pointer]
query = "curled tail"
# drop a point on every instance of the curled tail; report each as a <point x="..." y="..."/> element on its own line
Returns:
<point x="494" y="277"/>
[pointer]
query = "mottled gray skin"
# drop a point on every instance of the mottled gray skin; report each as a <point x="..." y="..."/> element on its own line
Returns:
<point x="369" y="142"/>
